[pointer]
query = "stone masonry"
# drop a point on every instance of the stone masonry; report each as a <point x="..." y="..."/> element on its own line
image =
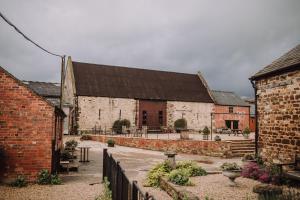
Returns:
<point x="278" y="104"/>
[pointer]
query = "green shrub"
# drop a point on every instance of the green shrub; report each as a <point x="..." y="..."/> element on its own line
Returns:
<point x="65" y="155"/>
<point x="179" y="177"/>
<point x="107" y="194"/>
<point x="117" y="126"/>
<point x="230" y="166"/>
<point x="71" y="144"/>
<point x="20" y="181"/>
<point x="55" y="180"/>
<point x="45" y="178"/>
<point x="192" y="168"/>
<point x="156" y="172"/>
<point x="110" y="142"/>
<point x="206" y="131"/>
<point x="180" y="124"/>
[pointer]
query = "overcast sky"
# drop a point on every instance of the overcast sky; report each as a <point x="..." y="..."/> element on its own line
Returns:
<point x="228" y="41"/>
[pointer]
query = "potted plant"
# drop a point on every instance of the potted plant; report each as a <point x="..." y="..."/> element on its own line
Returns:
<point x="180" y="125"/>
<point x="206" y="133"/>
<point x="246" y="133"/>
<point x="110" y="143"/>
<point x="232" y="171"/>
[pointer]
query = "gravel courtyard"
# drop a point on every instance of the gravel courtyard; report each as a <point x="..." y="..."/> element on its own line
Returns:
<point x="137" y="163"/>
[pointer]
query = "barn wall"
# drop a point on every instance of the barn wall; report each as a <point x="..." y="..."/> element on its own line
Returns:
<point x="198" y="115"/>
<point x="88" y="111"/>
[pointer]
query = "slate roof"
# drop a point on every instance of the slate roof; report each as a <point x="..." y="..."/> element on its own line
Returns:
<point x="228" y="98"/>
<point x="123" y="82"/>
<point x="288" y="60"/>
<point x="44" y="89"/>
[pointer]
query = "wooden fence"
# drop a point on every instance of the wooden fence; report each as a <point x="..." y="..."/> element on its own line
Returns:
<point x="120" y="185"/>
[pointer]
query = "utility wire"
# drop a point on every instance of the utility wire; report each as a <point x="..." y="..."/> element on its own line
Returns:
<point x="27" y="38"/>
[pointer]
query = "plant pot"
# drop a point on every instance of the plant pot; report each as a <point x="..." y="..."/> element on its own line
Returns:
<point x="184" y="135"/>
<point x="205" y="137"/>
<point x="232" y="175"/>
<point x="246" y="136"/>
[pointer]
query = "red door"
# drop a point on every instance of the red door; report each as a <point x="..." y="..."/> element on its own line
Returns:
<point x="152" y="114"/>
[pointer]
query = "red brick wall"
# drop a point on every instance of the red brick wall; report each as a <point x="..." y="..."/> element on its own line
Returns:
<point x="210" y="148"/>
<point x="239" y="113"/>
<point x="26" y="130"/>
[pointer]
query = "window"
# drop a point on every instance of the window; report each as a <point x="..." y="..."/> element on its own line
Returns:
<point x="99" y="114"/>
<point x="144" y="117"/>
<point x="230" y="109"/>
<point x="160" y="117"/>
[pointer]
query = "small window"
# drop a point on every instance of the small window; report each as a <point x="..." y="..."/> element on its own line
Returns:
<point x="144" y="117"/>
<point x="160" y="117"/>
<point x="99" y="114"/>
<point x="230" y="109"/>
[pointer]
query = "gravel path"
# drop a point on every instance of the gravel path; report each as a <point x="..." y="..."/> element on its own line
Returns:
<point x="216" y="187"/>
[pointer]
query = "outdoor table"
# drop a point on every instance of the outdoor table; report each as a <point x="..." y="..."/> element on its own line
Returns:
<point x="84" y="154"/>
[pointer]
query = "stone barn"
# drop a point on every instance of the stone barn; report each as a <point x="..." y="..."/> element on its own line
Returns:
<point x="230" y="111"/>
<point x="277" y="89"/>
<point x="30" y="130"/>
<point x="97" y="95"/>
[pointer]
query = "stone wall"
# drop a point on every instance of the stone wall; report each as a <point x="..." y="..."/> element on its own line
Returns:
<point x="278" y="104"/>
<point x="209" y="148"/>
<point x="240" y="113"/>
<point x="103" y="111"/>
<point x="26" y="130"/>
<point x="198" y="115"/>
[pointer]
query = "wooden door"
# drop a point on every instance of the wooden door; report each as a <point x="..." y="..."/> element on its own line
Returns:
<point x="152" y="114"/>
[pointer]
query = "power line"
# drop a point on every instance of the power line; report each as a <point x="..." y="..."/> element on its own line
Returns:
<point x="27" y="38"/>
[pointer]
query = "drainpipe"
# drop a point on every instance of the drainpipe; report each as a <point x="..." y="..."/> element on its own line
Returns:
<point x="256" y="118"/>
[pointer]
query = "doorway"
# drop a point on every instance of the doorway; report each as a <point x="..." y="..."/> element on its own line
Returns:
<point x="152" y="114"/>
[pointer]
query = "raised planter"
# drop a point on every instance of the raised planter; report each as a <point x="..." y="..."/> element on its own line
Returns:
<point x="175" y="192"/>
<point x="184" y="135"/>
<point x="205" y="136"/>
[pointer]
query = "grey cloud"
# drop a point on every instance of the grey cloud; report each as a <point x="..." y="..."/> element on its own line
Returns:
<point x="227" y="40"/>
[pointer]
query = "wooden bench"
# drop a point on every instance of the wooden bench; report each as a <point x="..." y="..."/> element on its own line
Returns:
<point x="292" y="174"/>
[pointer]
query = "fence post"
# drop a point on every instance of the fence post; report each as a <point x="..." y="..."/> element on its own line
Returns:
<point x="104" y="170"/>
<point x="134" y="193"/>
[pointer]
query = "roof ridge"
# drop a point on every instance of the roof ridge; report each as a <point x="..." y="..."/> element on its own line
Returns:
<point x="40" y="82"/>
<point x="223" y="91"/>
<point x="135" y="67"/>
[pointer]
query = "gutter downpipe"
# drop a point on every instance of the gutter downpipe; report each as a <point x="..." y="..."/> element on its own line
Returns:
<point x="256" y="118"/>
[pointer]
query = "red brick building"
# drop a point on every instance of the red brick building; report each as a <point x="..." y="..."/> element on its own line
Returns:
<point x="230" y="111"/>
<point x="30" y="130"/>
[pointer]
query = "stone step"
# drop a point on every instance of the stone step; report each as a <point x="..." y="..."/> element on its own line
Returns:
<point x="244" y="152"/>
<point x="242" y="145"/>
<point x="242" y="148"/>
